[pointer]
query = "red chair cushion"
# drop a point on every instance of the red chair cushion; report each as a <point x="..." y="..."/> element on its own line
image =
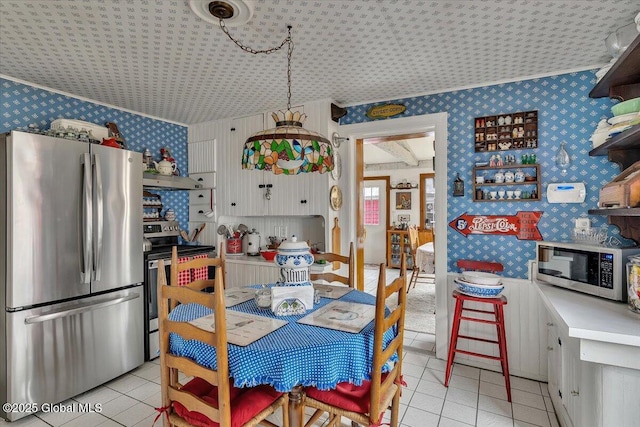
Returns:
<point x="201" y="273"/>
<point x="347" y="396"/>
<point x="246" y="403"/>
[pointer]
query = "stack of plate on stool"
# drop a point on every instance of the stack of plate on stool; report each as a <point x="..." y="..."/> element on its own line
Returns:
<point x="479" y="284"/>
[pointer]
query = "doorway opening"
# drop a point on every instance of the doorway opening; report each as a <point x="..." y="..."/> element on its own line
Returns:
<point x="398" y="193"/>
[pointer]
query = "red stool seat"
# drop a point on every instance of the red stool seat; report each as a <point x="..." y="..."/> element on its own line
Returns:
<point x="498" y="304"/>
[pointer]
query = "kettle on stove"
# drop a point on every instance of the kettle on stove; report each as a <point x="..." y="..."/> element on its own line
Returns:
<point x="253" y="242"/>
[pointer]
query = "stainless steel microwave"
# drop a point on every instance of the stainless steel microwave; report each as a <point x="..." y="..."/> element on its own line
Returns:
<point x="592" y="269"/>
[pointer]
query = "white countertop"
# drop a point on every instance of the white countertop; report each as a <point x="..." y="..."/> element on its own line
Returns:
<point x="592" y="318"/>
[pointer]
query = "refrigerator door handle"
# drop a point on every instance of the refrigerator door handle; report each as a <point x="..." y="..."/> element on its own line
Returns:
<point x="99" y="218"/>
<point x="87" y="225"/>
<point x="79" y="310"/>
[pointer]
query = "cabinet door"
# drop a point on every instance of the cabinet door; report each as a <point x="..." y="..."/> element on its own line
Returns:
<point x="201" y="156"/>
<point x="291" y="195"/>
<point x="555" y="363"/>
<point x="241" y="197"/>
<point x="396" y="242"/>
<point x="571" y="368"/>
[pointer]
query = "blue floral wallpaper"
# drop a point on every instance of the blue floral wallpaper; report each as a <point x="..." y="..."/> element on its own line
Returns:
<point x="21" y="105"/>
<point x="566" y="113"/>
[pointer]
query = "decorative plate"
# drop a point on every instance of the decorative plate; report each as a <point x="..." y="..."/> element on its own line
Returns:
<point x="336" y="172"/>
<point x="335" y="196"/>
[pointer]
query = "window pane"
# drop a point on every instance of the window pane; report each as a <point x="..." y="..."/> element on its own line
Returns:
<point x="371" y="206"/>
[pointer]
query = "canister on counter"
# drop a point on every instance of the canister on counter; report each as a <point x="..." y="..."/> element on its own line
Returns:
<point x="633" y="291"/>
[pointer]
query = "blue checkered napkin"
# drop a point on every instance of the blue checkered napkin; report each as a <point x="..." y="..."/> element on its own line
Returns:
<point x="293" y="355"/>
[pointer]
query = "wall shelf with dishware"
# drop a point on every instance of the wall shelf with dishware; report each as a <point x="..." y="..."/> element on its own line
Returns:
<point x="623" y="149"/>
<point x="511" y="131"/>
<point x="503" y="182"/>
<point x="152" y="206"/>
<point x="622" y="82"/>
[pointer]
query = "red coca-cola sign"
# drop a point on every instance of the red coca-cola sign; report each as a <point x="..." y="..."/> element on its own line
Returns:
<point x="523" y="225"/>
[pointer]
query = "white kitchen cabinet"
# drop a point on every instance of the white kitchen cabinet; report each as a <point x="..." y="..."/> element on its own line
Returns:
<point x="203" y="200"/>
<point x="239" y="193"/>
<point x="591" y="345"/>
<point x="201" y="156"/>
<point x="573" y="383"/>
<point x="207" y="180"/>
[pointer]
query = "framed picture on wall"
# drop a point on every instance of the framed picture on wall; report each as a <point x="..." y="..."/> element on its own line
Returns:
<point x="403" y="200"/>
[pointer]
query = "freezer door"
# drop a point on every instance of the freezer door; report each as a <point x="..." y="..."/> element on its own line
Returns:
<point x="117" y="218"/>
<point x="56" y="352"/>
<point x="46" y="246"/>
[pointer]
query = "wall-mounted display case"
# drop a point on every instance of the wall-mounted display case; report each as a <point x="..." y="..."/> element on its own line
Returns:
<point x="511" y="131"/>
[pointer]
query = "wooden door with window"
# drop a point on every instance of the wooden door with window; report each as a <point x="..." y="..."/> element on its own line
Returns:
<point x="376" y="218"/>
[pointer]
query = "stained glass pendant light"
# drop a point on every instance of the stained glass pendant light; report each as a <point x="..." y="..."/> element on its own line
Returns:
<point x="288" y="148"/>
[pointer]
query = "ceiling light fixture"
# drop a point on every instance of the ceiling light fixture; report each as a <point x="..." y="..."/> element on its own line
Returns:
<point x="288" y="148"/>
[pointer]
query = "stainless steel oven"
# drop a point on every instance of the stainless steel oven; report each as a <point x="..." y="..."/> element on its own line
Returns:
<point x="163" y="236"/>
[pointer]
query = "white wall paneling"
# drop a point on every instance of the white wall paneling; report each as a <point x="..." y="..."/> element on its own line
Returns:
<point x="525" y="324"/>
<point x="307" y="228"/>
<point x="239" y="273"/>
<point x="201" y="156"/>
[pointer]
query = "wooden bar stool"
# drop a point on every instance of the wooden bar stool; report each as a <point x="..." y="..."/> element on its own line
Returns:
<point x="497" y="311"/>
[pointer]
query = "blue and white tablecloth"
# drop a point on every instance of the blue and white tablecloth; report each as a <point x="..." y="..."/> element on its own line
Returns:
<point x="295" y="354"/>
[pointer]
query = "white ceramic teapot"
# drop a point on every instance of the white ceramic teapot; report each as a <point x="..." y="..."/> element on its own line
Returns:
<point x="509" y="176"/>
<point x="165" y="167"/>
<point x="499" y="177"/>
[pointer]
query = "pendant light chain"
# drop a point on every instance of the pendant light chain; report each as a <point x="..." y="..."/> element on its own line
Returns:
<point x="286" y="41"/>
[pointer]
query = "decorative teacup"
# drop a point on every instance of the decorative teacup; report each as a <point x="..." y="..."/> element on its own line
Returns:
<point x="480" y="179"/>
<point x="493" y="194"/>
<point x="509" y="194"/>
<point x="501" y="194"/>
<point x="517" y="194"/>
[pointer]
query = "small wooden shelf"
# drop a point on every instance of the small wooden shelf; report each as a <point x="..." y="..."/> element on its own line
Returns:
<point x="623" y="149"/>
<point x="615" y="211"/>
<point x="494" y="184"/>
<point x="513" y="167"/>
<point x="622" y="81"/>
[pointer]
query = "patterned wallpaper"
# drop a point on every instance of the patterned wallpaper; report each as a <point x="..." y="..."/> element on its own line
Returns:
<point x="566" y="113"/>
<point x="21" y="105"/>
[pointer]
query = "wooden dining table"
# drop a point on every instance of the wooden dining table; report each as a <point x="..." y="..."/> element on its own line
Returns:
<point x="292" y="357"/>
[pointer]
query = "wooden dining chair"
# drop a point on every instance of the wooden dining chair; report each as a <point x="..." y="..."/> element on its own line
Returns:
<point x="349" y="261"/>
<point x="209" y="399"/>
<point x="417" y="275"/>
<point x="200" y="278"/>
<point x="367" y="403"/>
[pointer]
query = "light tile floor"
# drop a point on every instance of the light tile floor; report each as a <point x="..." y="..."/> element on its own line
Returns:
<point x="475" y="397"/>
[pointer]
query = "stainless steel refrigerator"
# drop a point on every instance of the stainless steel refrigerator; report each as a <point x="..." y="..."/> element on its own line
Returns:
<point x="71" y="267"/>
